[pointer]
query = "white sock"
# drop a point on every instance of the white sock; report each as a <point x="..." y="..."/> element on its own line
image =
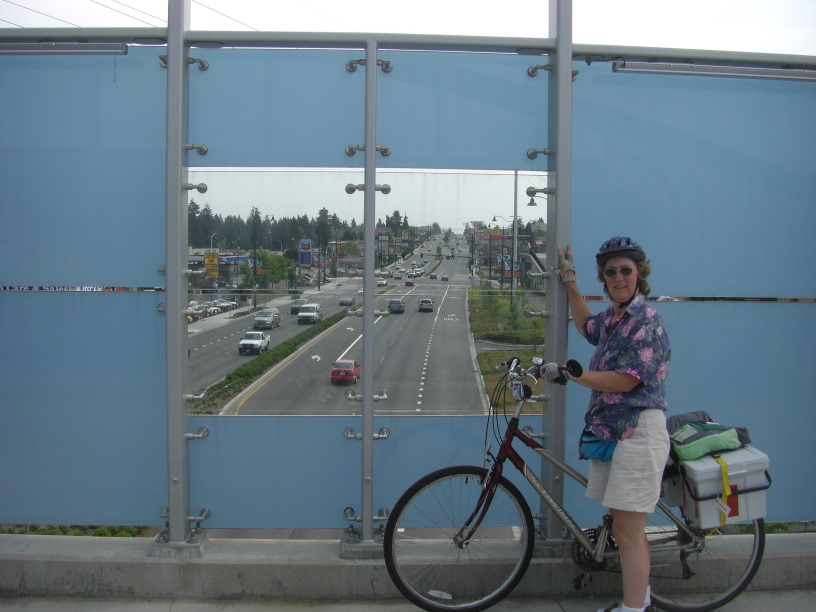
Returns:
<point x="625" y="608"/>
<point x="648" y="601"/>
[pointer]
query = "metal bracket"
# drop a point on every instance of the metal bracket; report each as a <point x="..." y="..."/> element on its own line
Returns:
<point x="382" y="515"/>
<point x="351" y="65"/>
<point x="352" y="149"/>
<point x="351" y="188"/>
<point x="381" y="396"/>
<point x="533" y="70"/>
<point x="359" y="313"/>
<point x="529" y="431"/>
<point x="530" y="313"/>
<point x="202" y="433"/>
<point x="195" y="272"/>
<point x="531" y="191"/>
<point x="161" y="308"/>
<point x="533" y="153"/>
<point x="201" y="187"/>
<point x="195" y="397"/>
<point x="202" y="63"/>
<point x="383" y="434"/>
<point x="202" y="149"/>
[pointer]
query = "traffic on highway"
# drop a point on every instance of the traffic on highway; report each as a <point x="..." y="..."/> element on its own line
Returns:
<point x="423" y="354"/>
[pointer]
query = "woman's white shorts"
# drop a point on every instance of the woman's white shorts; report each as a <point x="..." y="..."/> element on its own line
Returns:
<point x="631" y="480"/>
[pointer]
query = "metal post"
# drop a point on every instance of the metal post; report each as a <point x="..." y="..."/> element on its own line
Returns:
<point x="513" y="254"/>
<point x="559" y="169"/>
<point x="178" y="23"/>
<point x="368" y="290"/>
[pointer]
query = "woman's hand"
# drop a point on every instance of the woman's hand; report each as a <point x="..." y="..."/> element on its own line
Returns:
<point x="566" y="265"/>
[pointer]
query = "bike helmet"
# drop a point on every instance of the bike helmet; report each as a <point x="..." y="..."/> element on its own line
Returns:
<point x="619" y="246"/>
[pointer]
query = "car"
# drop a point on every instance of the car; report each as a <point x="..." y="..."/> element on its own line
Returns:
<point x="267" y="319"/>
<point x="444" y="278"/>
<point x="360" y="291"/>
<point x="294" y="308"/>
<point x="409" y="283"/>
<point x="397" y="276"/>
<point x="396" y="306"/>
<point x="211" y="309"/>
<point x="345" y="370"/>
<point x="310" y="313"/>
<point x="433" y="276"/>
<point x="253" y="342"/>
<point x="347" y="300"/>
<point x="381" y="282"/>
<point x="425" y="305"/>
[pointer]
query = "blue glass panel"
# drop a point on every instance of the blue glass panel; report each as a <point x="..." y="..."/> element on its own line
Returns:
<point x="461" y="110"/>
<point x="715" y="176"/>
<point x="277" y="107"/>
<point x="82" y="169"/>
<point x="82" y="418"/>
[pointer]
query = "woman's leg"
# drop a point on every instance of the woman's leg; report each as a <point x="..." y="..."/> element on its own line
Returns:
<point x="629" y="531"/>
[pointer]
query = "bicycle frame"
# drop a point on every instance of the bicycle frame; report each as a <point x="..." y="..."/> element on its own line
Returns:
<point x="506" y="451"/>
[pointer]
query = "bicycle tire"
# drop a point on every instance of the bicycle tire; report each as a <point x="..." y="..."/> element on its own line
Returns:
<point x="435" y="573"/>
<point x="721" y="569"/>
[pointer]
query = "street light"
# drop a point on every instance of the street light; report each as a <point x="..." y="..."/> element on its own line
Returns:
<point x="514" y="250"/>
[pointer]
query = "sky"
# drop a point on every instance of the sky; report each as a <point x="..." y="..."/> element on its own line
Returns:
<point x="767" y="26"/>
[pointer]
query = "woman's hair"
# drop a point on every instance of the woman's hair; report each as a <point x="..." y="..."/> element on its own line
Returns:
<point x="644" y="268"/>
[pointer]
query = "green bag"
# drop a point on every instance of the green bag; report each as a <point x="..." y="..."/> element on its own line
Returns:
<point x="695" y="439"/>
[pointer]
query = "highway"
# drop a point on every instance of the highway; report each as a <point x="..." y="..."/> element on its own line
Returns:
<point x="423" y="359"/>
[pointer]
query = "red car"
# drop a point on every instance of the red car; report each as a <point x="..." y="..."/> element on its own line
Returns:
<point x="345" y="370"/>
<point x="409" y="283"/>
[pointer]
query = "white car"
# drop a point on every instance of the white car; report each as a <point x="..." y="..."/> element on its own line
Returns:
<point x="253" y="342"/>
<point x="381" y="282"/>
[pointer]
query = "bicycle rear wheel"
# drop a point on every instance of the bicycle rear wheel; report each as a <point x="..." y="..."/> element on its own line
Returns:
<point x="435" y="572"/>
<point x="719" y="568"/>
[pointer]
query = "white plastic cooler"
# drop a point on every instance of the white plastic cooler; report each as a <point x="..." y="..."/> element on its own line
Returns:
<point x="701" y="493"/>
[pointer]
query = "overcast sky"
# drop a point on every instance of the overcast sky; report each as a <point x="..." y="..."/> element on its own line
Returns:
<point x="769" y="26"/>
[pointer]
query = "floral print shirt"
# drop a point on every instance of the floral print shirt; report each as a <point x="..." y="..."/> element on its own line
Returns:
<point x="636" y="344"/>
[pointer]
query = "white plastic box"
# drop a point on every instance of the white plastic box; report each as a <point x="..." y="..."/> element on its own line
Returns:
<point x="700" y="494"/>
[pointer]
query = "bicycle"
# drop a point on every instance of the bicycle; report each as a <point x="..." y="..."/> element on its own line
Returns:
<point x="461" y="538"/>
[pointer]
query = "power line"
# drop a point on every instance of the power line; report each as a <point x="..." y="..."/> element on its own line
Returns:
<point x="39" y="13"/>
<point x="121" y="12"/>
<point x="14" y="24"/>
<point x="227" y="16"/>
<point x="133" y="8"/>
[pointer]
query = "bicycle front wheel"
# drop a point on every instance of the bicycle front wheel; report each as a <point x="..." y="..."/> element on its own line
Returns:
<point x="429" y="564"/>
<point x="706" y="573"/>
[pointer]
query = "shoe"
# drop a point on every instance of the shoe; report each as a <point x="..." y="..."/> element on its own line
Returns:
<point x="615" y="607"/>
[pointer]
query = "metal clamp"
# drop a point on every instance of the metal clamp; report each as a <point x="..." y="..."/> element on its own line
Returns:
<point x="195" y="397"/>
<point x="201" y="272"/>
<point x="531" y="191"/>
<point x="530" y="313"/>
<point x="533" y="153"/>
<point x="381" y="396"/>
<point x="533" y="70"/>
<point x="202" y="433"/>
<point x="383" y="434"/>
<point x="201" y="187"/>
<point x="352" y="149"/>
<point x="161" y="308"/>
<point x="359" y="313"/>
<point x="202" y="149"/>
<point x="202" y="63"/>
<point x="351" y="65"/>
<point x="351" y="188"/>
<point x="351" y="515"/>
<point x="529" y="432"/>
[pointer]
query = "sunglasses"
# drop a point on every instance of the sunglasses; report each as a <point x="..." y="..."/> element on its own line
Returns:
<point x="611" y="272"/>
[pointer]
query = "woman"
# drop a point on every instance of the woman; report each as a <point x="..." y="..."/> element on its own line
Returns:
<point x="627" y="375"/>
